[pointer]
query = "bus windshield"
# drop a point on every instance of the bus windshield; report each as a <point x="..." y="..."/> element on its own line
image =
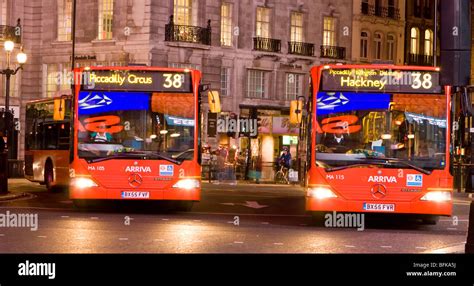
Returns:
<point x="135" y="124"/>
<point x="356" y="128"/>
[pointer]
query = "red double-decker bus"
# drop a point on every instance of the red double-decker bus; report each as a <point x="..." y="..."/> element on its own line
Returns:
<point x="135" y="135"/>
<point x="378" y="141"/>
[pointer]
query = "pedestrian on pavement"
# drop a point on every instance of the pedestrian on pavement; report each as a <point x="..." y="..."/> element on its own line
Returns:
<point x="2" y="143"/>
<point x="258" y="169"/>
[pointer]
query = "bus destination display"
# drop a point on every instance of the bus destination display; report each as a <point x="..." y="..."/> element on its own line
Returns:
<point x="375" y="80"/>
<point x="154" y="81"/>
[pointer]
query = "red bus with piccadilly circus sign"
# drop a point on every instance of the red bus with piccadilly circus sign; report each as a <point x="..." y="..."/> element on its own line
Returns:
<point x="135" y="136"/>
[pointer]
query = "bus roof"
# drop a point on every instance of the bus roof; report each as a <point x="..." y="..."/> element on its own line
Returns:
<point x="49" y="99"/>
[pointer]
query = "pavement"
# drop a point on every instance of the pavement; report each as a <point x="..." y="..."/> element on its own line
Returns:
<point x="241" y="218"/>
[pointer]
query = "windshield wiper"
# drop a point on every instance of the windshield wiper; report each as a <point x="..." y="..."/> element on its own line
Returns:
<point x="386" y="160"/>
<point x="378" y="161"/>
<point x="408" y="164"/>
<point x="143" y="156"/>
<point x="334" y="169"/>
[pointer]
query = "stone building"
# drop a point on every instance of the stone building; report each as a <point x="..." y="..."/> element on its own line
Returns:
<point x="378" y="31"/>
<point x="419" y="33"/>
<point x="256" y="53"/>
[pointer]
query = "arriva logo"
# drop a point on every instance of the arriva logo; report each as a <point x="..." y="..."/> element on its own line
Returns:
<point x="138" y="169"/>
<point x="382" y="179"/>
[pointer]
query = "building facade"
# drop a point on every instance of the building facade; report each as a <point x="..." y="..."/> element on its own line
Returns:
<point x="256" y="53"/>
<point x="420" y="33"/>
<point x="378" y="31"/>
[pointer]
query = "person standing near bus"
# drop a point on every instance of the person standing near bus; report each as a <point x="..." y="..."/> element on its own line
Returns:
<point x="2" y="143"/>
<point x="285" y="158"/>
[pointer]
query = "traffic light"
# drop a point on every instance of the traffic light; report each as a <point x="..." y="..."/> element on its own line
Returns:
<point x="59" y="109"/>
<point x="214" y="101"/>
<point x="296" y="111"/>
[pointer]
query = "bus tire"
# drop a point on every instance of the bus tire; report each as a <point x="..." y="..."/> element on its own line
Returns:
<point x="318" y="218"/>
<point x="49" y="176"/>
<point x="184" y="206"/>
<point x="79" y="204"/>
<point x="430" y="220"/>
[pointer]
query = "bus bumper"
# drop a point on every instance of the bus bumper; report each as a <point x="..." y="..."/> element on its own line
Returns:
<point x="98" y="193"/>
<point x="415" y="207"/>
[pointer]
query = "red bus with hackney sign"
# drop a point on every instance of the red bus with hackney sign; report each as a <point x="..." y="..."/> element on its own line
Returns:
<point x="378" y="141"/>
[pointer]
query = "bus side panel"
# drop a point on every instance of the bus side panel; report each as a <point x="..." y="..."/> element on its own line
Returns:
<point x="60" y="161"/>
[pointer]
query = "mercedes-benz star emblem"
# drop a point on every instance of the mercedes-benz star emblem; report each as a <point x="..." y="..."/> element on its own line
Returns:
<point x="379" y="191"/>
<point x="135" y="180"/>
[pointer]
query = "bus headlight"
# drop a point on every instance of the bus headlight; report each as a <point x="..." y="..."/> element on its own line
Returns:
<point x="83" y="183"/>
<point x="437" y="196"/>
<point x="187" y="184"/>
<point x="321" y="193"/>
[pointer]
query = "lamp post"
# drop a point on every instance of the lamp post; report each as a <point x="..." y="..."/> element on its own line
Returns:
<point x="21" y="57"/>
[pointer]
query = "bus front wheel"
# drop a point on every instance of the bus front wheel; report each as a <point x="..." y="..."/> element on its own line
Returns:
<point x="318" y="218"/>
<point x="184" y="206"/>
<point x="49" y="176"/>
<point x="430" y="220"/>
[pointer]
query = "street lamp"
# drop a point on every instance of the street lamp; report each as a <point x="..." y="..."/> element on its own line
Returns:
<point x="21" y="58"/>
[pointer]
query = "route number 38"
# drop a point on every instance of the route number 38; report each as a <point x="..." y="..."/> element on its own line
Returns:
<point x="173" y="80"/>
<point x="420" y="81"/>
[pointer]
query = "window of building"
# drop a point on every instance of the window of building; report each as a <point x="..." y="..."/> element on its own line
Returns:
<point x="391" y="8"/>
<point x="414" y="41"/>
<point x="183" y="12"/>
<point x="184" y="66"/>
<point x="329" y="31"/>
<point x="365" y="7"/>
<point x="293" y="86"/>
<point x="378" y="7"/>
<point x="226" y="24"/>
<point x="428" y="42"/>
<point x="58" y="77"/>
<point x="3" y="12"/>
<point x="64" y="20"/>
<point x="427" y="9"/>
<point x="256" y="84"/>
<point x="263" y="23"/>
<point x="378" y="46"/>
<point x="417" y="8"/>
<point x="364" y="45"/>
<point x="296" y="28"/>
<point x="391" y="47"/>
<point x="106" y="16"/>
<point x="225" y="82"/>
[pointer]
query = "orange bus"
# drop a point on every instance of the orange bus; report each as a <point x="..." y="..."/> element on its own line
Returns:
<point x="378" y="141"/>
<point x="47" y="141"/>
<point x="135" y="136"/>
